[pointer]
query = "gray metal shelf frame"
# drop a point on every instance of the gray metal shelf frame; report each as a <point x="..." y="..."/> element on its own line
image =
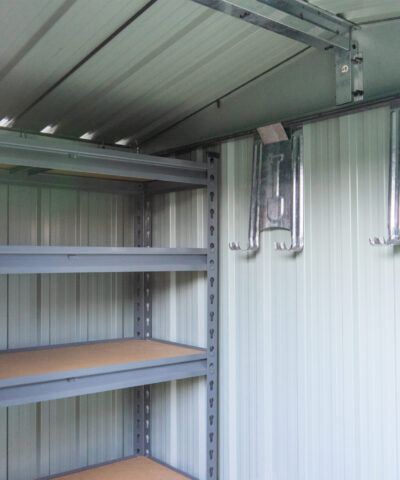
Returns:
<point x="42" y="161"/>
<point x="67" y="157"/>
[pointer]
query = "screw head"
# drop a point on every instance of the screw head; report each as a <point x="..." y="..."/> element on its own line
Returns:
<point x="345" y="68"/>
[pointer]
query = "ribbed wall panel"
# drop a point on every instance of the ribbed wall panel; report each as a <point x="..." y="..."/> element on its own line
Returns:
<point x="178" y="409"/>
<point x="309" y="366"/>
<point x="49" y="437"/>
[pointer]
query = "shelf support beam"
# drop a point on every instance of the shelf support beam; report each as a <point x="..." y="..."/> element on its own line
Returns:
<point x="55" y="155"/>
<point x="28" y="259"/>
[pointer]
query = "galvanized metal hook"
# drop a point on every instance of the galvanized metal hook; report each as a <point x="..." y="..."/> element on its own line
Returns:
<point x="276" y="193"/>
<point x="394" y="188"/>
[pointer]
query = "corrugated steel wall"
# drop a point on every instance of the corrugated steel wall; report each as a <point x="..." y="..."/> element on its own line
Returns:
<point x="309" y="348"/>
<point x="49" y="437"/>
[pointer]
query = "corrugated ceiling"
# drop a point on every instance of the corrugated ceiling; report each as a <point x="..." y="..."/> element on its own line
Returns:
<point x="132" y="68"/>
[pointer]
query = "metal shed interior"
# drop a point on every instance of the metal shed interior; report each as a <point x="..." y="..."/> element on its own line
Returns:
<point x="309" y="346"/>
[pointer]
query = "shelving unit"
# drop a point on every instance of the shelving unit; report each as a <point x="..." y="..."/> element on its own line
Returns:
<point x="51" y="372"/>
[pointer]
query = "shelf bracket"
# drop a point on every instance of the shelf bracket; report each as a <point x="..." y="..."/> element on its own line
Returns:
<point x="277" y="193"/>
<point x="394" y="187"/>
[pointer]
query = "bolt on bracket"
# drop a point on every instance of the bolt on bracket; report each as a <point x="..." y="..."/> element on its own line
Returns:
<point x="394" y="187"/>
<point x="349" y="74"/>
<point x="277" y="193"/>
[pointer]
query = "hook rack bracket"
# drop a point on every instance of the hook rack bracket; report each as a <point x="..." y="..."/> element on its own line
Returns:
<point x="393" y="237"/>
<point x="277" y="193"/>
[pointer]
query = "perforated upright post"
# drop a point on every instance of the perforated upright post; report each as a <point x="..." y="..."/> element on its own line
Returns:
<point x="212" y="317"/>
<point x="147" y="242"/>
<point x="142" y="325"/>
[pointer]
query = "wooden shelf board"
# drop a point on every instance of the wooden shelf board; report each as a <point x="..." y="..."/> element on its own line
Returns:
<point x="139" y="468"/>
<point x="70" y="358"/>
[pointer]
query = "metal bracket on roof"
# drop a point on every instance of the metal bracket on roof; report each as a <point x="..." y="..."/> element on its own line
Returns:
<point x="394" y="187"/>
<point x="328" y="31"/>
<point x="277" y="193"/>
<point x="349" y="75"/>
<point x="348" y="59"/>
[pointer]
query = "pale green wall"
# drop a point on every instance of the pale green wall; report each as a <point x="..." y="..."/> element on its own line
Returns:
<point x="310" y="355"/>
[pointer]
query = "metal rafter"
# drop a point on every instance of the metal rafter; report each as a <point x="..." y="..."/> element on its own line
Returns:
<point x="255" y="18"/>
<point x="312" y="14"/>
